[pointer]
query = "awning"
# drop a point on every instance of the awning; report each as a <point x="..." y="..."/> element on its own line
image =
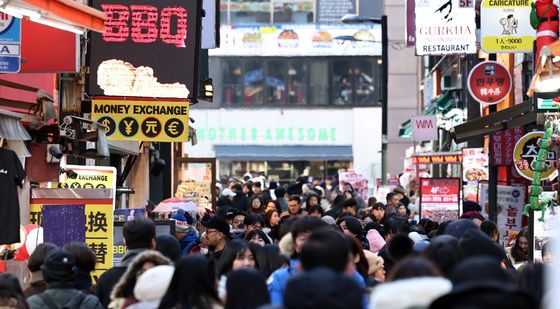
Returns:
<point x="281" y="153"/>
<point x="511" y="117"/>
<point x="405" y="130"/>
<point x="11" y="127"/>
<point x="67" y="15"/>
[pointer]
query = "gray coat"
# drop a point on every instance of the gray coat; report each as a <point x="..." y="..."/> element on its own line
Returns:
<point x="65" y="298"/>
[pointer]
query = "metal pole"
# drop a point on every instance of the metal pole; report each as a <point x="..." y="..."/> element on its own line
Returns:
<point x="384" y="98"/>
<point x="492" y="172"/>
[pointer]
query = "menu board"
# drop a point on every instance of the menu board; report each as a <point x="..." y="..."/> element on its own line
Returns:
<point x="330" y="11"/>
<point x="439" y="198"/>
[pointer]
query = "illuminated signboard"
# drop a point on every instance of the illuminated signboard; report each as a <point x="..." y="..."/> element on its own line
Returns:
<point x="149" y="49"/>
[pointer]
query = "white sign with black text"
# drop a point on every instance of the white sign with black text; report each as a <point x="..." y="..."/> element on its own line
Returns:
<point x="445" y="27"/>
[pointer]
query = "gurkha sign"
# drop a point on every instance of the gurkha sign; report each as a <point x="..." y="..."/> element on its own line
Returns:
<point x="142" y="119"/>
<point x="445" y="27"/>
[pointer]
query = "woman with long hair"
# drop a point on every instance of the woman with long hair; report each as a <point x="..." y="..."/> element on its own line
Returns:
<point x="192" y="285"/>
<point x="520" y="249"/>
<point x="272" y="221"/>
<point x="236" y="255"/>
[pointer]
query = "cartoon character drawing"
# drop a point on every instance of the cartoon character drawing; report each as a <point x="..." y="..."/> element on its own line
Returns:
<point x="509" y="24"/>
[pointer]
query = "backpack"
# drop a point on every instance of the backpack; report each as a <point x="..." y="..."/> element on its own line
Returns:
<point x="534" y="18"/>
<point x="47" y="299"/>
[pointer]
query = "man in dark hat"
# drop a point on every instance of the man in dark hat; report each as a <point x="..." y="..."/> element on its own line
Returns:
<point x="58" y="272"/>
<point x="218" y="235"/>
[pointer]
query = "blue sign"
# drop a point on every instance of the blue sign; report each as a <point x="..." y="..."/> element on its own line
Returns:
<point x="10" y="43"/>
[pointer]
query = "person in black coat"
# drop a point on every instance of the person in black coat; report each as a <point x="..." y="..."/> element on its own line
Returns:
<point x="139" y="235"/>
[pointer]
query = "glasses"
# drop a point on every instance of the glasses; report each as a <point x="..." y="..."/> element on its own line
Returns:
<point x="211" y="231"/>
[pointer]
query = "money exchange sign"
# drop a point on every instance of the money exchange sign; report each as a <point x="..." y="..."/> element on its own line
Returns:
<point x="142" y="119"/>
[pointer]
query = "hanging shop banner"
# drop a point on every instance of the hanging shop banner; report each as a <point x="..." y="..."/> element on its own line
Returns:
<point x="445" y="27"/>
<point x="424" y="128"/>
<point x="149" y="49"/>
<point x="144" y="120"/>
<point x="505" y="26"/>
<point x="545" y="230"/>
<point x="358" y="181"/>
<point x="299" y="40"/>
<point x="489" y="82"/>
<point x="526" y="151"/>
<point x="503" y="143"/>
<point x="475" y="164"/>
<point x="84" y="215"/>
<point x="438" y="158"/>
<point x="546" y="101"/>
<point x="439" y="198"/>
<point x="511" y="200"/>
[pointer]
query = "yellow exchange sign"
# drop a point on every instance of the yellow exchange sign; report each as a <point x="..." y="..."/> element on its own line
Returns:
<point x="142" y="119"/>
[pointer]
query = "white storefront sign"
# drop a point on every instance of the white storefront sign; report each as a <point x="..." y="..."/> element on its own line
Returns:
<point x="424" y="128"/>
<point x="445" y="27"/>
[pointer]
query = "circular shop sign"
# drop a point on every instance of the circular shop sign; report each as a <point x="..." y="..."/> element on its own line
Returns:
<point x="526" y="151"/>
<point x="489" y="82"/>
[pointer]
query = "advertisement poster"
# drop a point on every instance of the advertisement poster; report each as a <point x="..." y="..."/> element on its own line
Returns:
<point x="511" y="201"/>
<point x="299" y="40"/>
<point x="195" y="182"/>
<point x="445" y="27"/>
<point x="147" y="50"/>
<point x="142" y="119"/>
<point x="526" y="151"/>
<point x="439" y="198"/>
<point x="128" y="214"/>
<point x="545" y="230"/>
<point x="87" y="213"/>
<point x="475" y="165"/>
<point x="505" y="26"/>
<point x="358" y="181"/>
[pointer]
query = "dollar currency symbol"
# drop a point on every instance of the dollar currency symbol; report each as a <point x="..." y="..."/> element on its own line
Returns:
<point x="107" y="124"/>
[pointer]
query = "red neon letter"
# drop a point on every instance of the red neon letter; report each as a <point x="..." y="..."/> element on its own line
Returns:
<point x="116" y="22"/>
<point x="144" y="23"/>
<point x="177" y="39"/>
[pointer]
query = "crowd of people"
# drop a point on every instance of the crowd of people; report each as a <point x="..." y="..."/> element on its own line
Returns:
<point x="313" y="244"/>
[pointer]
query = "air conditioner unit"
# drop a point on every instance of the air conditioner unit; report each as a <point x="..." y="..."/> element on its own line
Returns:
<point x="451" y="82"/>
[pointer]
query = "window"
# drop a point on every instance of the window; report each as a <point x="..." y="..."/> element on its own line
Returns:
<point x="267" y="11"/>
<point x="296" y="81"/>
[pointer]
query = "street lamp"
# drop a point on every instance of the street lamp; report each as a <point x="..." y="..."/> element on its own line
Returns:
<point x="355" y="19"/>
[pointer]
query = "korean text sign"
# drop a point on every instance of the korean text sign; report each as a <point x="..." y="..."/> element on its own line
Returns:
<point x="489" y="82"/>
<point x="439" y="198"/>
<point x="143" y="119"/>
<point x="503" y="143"/>
<point x="149" y="49"/>
<point x="511" y="201"/>
<point x="526" y="151"/>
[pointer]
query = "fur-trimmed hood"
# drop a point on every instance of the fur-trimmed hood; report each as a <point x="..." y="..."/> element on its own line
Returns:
<point x="407" y="293"/>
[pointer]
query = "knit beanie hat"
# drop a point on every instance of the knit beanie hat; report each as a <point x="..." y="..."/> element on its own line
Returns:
<point x="376" y="242"/>
<point x="59" y="266"/>
<point x="182" y="220"/>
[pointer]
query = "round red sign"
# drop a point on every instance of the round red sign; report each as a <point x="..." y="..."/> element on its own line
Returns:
<point x="489" y="82"/>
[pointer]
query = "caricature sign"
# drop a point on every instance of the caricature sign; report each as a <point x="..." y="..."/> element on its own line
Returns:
<point x="505" y="26"/>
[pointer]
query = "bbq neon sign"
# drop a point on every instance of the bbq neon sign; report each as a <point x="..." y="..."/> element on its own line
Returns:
<point x="145" y="24"/>
<point x="149" y="48"/>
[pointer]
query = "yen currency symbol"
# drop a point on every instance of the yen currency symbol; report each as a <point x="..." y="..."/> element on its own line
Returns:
<point x="109" y="124"/>
<point x="128" y="127"/>
<point x="151" y="127"/>
<point x="174" y="127"/>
